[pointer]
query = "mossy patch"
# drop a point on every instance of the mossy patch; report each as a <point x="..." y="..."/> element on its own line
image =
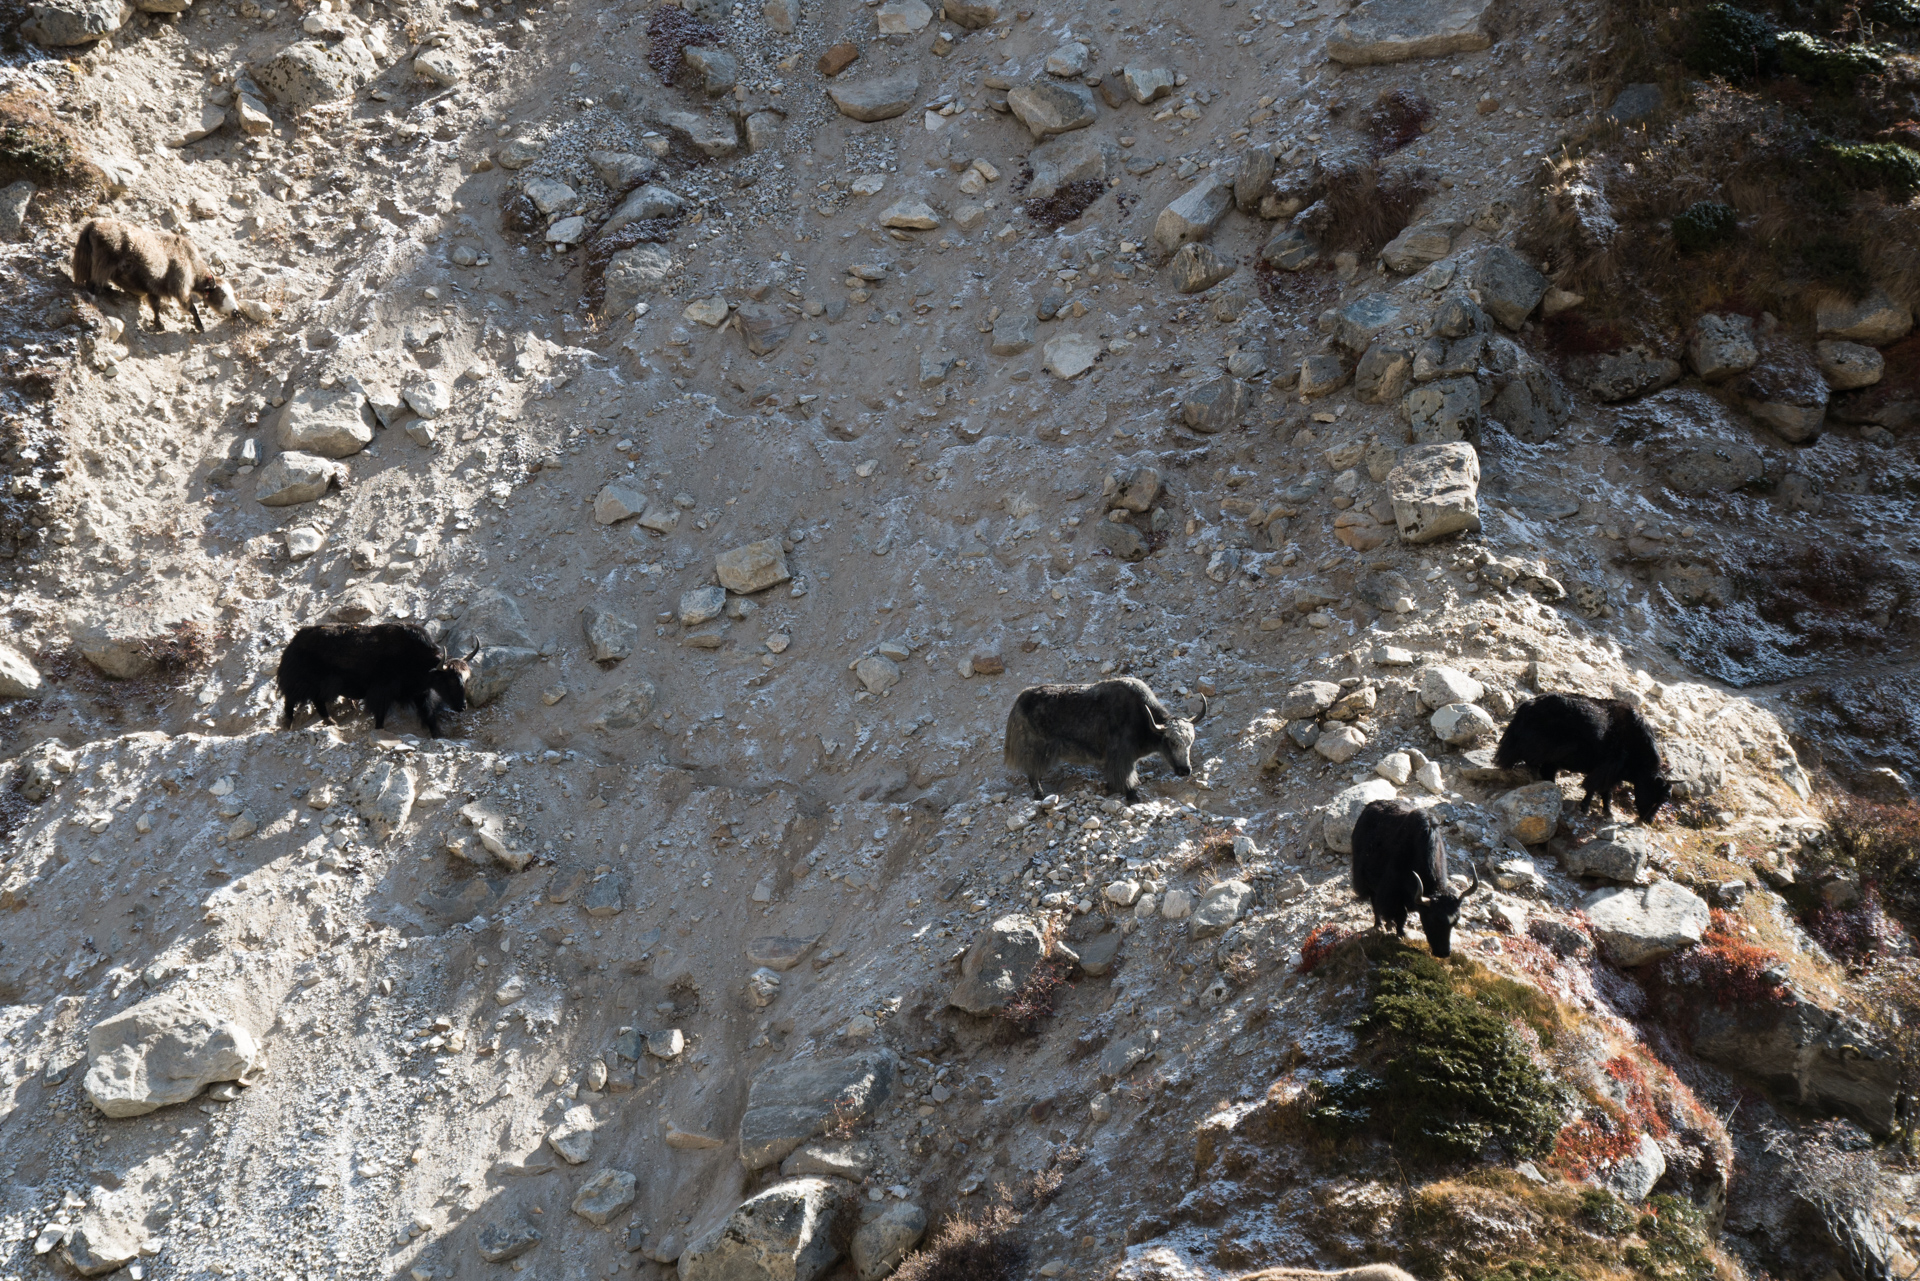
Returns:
<point x="1705" y="224"/>
<point x="1445" y="1067"/>
<point x="1731" y="43"/>
<point x="1824" y="64"/>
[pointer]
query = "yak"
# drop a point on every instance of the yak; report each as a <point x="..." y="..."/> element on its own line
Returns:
<point x="1400" y="867"/>
<point x="110" y="254"/>
<point x="1603" y="739"/>
<point x="377" y="666"/>
<point x="1112" y="724"/>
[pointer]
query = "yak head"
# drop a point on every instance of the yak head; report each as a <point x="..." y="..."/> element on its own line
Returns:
<point x="217" y="292"/>
<point x="1439" y="913"/>
<point x="449" y="681"/>
<point x="1648" y="797"/>
<point x="1176" y="738"/>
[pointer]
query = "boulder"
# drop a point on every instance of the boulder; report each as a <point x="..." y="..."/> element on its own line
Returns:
<point x="1435" y="491"/>
<point x="902" y="17"/>
<point x="719" y="70"/>
<point x="877" y="97"/>
<point x="1508" y="285"/>
<point x="330" y="424"/>
<point x="1123" y="542"/>
<point x="1847" y="365"/>
<point x="295" y="477"/>
<point x="1625" y="374"/>
<point x="1637" y="925"/>
<point x="615" y="503"/>
<point x="1308" y="699"/>
<point x="1633" y="1176"/>
<point x="1070" y="158"/>
<point x="1197" y="268"/>
<point x="1289" y="249"/>
<point x="1531" y="814"/>
<point x="1322" y="374"/>
<point x="706" y="132"/>
<point x="790" y="1103"/>
<point x="1049" y="107"/>
<point x="641" y="204"/>
<point x="793" y="1231"/>
<point x="1383" y="372"/>
<point x="308" y="73"/>
<point x="1377" y="31"/>
<point x="1340" y="744"/>
<point x="1215" y="406"/>
<point x="634" y="275"/>
<point x="1443" y="412"/>
<point x="604" y="1195"/>
<point x="1817" y="1056"/>
<point x="1343" y="811"/>
<point x="1440" y="685"/>
<point x="1067" y="356"/>
<point x="101" y="1243"/>
<point x="1219" y="908"/>
<point x="1357" y="324"/>
<point x="1721" y="345"/>
<point x="1875" y="319"/>
<point x="164" y="1050"/>
<point x="1618" y="853"/>
<point x="752" y="568"/>
<point x="383" y="794"/>
<point x="973" y="14"/>
<point x="1193" y="214"/>
<point x="1461" y="724"/>
<point x="610" y="636"/>
<point x="1003" y="957"/>
<point x="882" y="1242"/>
<point x="1251" y="178"/>
<point x="622" y="170"/>
<point x="910" y="215"/>
<point x="1531" y="404"/>
<point x="56" y="24"/>
<point x="1013" y="333"/>
<point x="19" y="678"/>
<point x="1147" y="84"/>
<point x="1418" y="246"/>
<point x="623" y="707"/>
<point x="1785" y="390"/>
<point x="571" y="1137"/>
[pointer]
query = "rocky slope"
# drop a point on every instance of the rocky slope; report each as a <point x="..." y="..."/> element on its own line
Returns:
<point x="761" y="397"/>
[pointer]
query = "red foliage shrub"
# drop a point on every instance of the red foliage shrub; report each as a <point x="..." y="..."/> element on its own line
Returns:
<point x="1859" y="933"/>
<point x="1591" y="1145"/>
<point x="1731" y="970"/>
<point x="1320" y="944"/>
<point x="1396" y="120"/>
<point x="1034" y="1001"/>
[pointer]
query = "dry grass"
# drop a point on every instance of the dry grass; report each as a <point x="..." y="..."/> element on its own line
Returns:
<point x="967" y="1247"/>
<point x="1356" y="207"/>
<point x="1066" y="204"/>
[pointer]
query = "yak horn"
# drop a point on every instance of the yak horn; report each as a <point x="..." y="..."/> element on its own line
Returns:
<point x="1473" y="872"/>
<point x="470" y="653"/>
<point x="1203" y="710"/>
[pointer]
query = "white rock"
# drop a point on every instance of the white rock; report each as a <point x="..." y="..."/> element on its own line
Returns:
<point x="877" y="674"/>
<point x="1395" y="767"/>
<point x="903" y="17"/>
<point x="1442" y="685"/>
<point x="1122" y="893"/>
<point x="1343" y="811"/>
<point x="572" y="1137"/>
<point x="910" y="215"/>
<point x="294" y="477"/>
<point x="1176" y="905"/>
<point x="1428" y="776"/>
<point x="1462" y="723"/>
<point x="163" y="1051"/>
<point x="1341" y="744"/>
<point x="615" y="503"/>
<point x="330" y="424"/>
<point x="1067" y="356"/>
<point x="18" y="676"/>
<point x="1638" y="925"/>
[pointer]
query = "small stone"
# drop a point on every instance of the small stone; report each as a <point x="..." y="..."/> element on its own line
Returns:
<point x="838" y="58"/>
<point x="614" y="503"/>
<point x="1067" y="356"/>
<point x="707" y="311"/>
<point x="294" y="477"/>
<point x="572" y="1138"/>
<point x="752" y="568"/>
<point x="1148" y="84"/>
<point x="910" y="215"/>
<point x="1220" y="907"/>
<point x="668" y="1043"/>
<point x="702" y="604"/>
<point x="903" y="17"/>
<point x="1193" y="214"/>
<point x="441" y="67"/>
<point x="877" y="98"/>
<point x="877" y="674"/>
<point x="1531" y="814"/>
<point x="503" y="1241"/>
<point x="1176" y="905"/>
<point x="1341" y="744"/>
<point x="1847" y="365"/>
<point x="1440" y="685"/>
<point x="1461" y="724"/>
<point x="1197" y="268"/>
<point x="604" y="1195"/>
<point x="1049" y="107"/>
<point x="1395" y="767"/>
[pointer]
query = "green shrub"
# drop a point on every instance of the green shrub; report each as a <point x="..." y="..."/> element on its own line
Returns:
<point x="1703" y="225"/>
<point x="1887" y="166"/>
<point x="1675" y="1241"/>
<point x="1895" y="13"/>
<point x="1448" y="1072"/>
<point x="1731" y="43"/>
<point x="1824" y="64"/>
<point x="1837" y="261"/>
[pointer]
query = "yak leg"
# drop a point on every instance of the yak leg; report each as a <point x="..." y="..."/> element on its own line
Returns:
<point x="326" y="710"/>
<point x="159" y="323"/>
<point x="195" y="313"/>
<point x="429" y="711"/>
<point x="1033" y="781"/>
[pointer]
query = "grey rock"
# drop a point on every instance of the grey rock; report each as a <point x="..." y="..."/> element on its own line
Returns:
<point x="880" y="1243"/>
<point x="1251" y="179"/>
<point x="1383" y="373"/>
<point x="610" y="636"/>
<point x="19" y="678"/>
<point x="1378" y="31"/>
<point x="793" y="1231"/>
<point x="101" y="1243"/>
<point x="644" y="202"/>
<point x="1003" y="957"/>
<point x="1847" y="365"/>
<point x="1215" y="406"/>
<point x="615" y="503"/>
<point x="1219" y="908"/>
<point x="1289" y="249"/>
<point x="163" y="1051"/>
<point x="876" y="98"/>
<point x="782" y="15"/>
<point x="1123" y="1056"/>
<point x="719" y="70"/>
<point x="1323" y="374"/>
<point x="1618" y="853"/>
<point x="1633" y="1176"/>
<point x="330" y="424"/>
<point x="1532" y="404"/>
<point x="1012" y="333"/>
<point x="1147" y="84"/>
<point x="14" y="199"/>
<point x="571" y="1138"/>
<point x="383" y="794"/>
<point x="790" y="1103"/>
<point x="492" y="671"/>
<point x="622" y="170"/>
<point x="1073" y="157"/>
<point x="1460" y="724"/>
<point x="1049" y="107"/>
<point x="441" y="67"/>
<point x="1531" y="814"/>
<point x="604" y="1195"/>
<point x="1357" y="324"/>
<point x="753" y="567"/>
<point x="1635" y="103"/>
<point x="1435" y="491"/>
<point x="708" y="133"/>
<point x="1069" y="61"/>
<point x="1722" y="345"/>
<point x="701" y="605"/>
<point x="849" y="1161"/>
<point x="1634" y="926"/>
<point x="765" y="130"/>
<point x="1308" y="699"/>
<point x="1067" y="356"/>
<point x="973" y="14"/>
<point x="60" y="23"/>
<point x="1123" y="542"/>
<point x="1098" y="954"/>
<point x="1444" y="411"/>
<point x="633" y="275"/>
<point x="294" y="477"/>
<point x="1197" y="268"/>
<point x="1785" y="390"/>
<point x="501" y="1241"/>
<point x="1508" y="285"/>
<point x="1343" y="811"/>
<point x="1440" y="685"/>
<point x="1819" y="1056"/>
<point x="1418" y="246"/>
<point x="762" y="326"/>
<point x="309" y="73"/>
<point x="1875" y="319"/>
<point x="1133" y="490"/>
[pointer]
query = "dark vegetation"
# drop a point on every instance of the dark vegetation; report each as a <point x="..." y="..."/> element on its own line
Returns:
<point x="1026" y="1008"/>
<point x="1066" y="204"/>
<point x="969" y="1247"/>
<point x="1442" y="1069"/>
<point x="1357" y="207"/>
<point x="1397" y="118"/>
<point x="669" y="32"/>
<point x="36" y="146"/>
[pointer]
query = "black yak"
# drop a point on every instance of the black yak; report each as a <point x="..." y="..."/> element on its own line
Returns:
<point x="110" y="254"/>
<point x="377" y="666"/>
<point x="1400" y="867"/>
<point x="1111" y="724"/>
<point x="1603" y="739"/>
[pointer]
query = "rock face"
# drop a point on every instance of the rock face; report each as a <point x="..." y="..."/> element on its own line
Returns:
<point x="1618" y="853"/>
<point x="1435" y="491"/>
<point x="1192" y="215"/>
<point x="1820" y="1057"/>
<point x="752" y="568"/>
<point x="878" y="98"/>
<point x="791" y="1232"/>
<point x="1875" y="319"/>
<point x="296" y="477"/>
<point x="880" y="1244"/>
<point x="383" y="795"/>
<point x="1377" y="31"/>
<point x="1049" y="107"/>
<point x="998" y="964"/>
<point x="164" y="1050"/>
<point x="1343" y="811"/>
<point x="309" y="73"/>
<point x="789" y="1103"/>
<point x="1508" y="285"/>
<point x="1635" y="926"/>
<point x="331" y="424"/>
